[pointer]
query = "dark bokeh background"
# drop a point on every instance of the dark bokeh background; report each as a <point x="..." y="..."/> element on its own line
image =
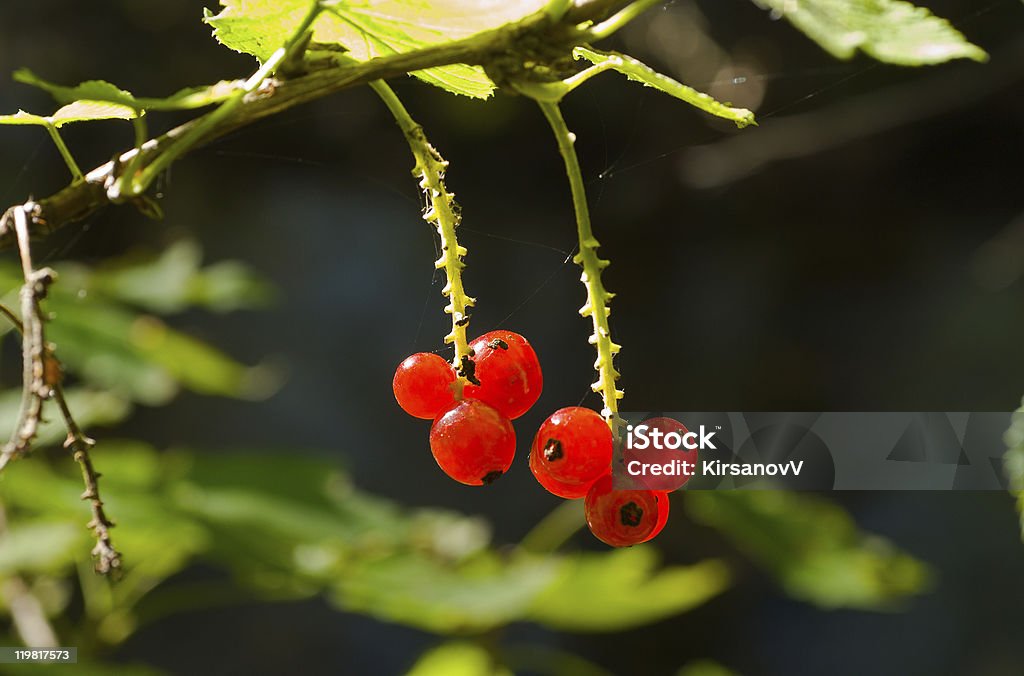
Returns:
<point x="861" y="250"/>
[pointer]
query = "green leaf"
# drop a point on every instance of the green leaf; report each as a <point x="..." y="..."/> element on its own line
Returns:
<point x="888" y="30"/>
<point x="812" y="546"/>
<point x="141" y="357"/>
<point x="640" y="72"/>
<point x="80" y="111"/>
<point x="371" y="28"/>
<point x="1013" y="461"/>
<point x="480" y="594"/>
<point x="99" y="91"/>
<point x="174" y="281"/>
<point x="137" y="356"/>
<point x="39" y="546"/>
<point x="457" y="658"/>
<point x="23" y="118"/>
<point x="622" y="589"/>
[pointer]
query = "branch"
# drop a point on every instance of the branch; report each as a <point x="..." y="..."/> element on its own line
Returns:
<point x="108" y="559"/>
<point x="41" y="381"/>
<point x="100" y="186"/>
<point x="37" y="385"/>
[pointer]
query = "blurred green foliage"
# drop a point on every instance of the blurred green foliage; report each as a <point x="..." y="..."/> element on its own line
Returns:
<point x="812" y="546"/>
<point x="289" y="525"/>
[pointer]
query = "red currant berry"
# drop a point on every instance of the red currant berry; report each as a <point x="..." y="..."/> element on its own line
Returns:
<point x="506" y="373"/>
<point x="669" y="451"/>
<point x="573" y="446"/>
<point x="620" y="518"/>
<point x="472" y="442"/>
<point x="561" y="489"/>
<point x="423" y="385"/>
<point x="663" y="505"/>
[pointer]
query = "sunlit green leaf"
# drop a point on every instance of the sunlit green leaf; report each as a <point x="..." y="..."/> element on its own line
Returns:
<point x="23" y="118"/>
<point x="80" y="111"/>
<point x="892" y="31"/>
<point x="812" y="546"/>
<point x="369" y="28"/>
<point x="624" y="588"/>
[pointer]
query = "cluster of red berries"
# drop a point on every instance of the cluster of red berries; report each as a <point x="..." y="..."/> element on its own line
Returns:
<point x="473" y="441"/>
<point x="571" y="457"/>
<point x="472" y="438"/>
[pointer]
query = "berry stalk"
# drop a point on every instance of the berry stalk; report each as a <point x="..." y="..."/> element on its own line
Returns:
<point x="598" y="299"/>
<point x="442" y="212"/>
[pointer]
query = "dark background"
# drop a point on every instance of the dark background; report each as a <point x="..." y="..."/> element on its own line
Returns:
<point x="861" y="250"/>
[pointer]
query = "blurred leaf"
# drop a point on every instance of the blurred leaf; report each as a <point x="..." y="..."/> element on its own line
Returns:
<point x="84" y="667"/>
<point x="622" y="589"/>
<point x="140" y="356"/>
<point x="435" y="595"/>
<point x="457" y="658"/>
<point x="98" y="91"/>
<point x="156" y="539"/>
<point x="288" y="525"/>
<point x="92" y="409"/>
<point x="371" y="28"/>
<point x="174" y="281"/>
<point x="644" y="74"/>
<point x="39" y="546"/>
<point x="137" y="356"/>
<point x="1014" y="460"/>
<point x="812" y="546"/>
<point x="705" y="668"/>
<point x="891" y="31"/>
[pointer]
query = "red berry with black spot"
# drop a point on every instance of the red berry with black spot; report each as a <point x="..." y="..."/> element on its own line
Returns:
<point x="573" y="447"/>
<point x="506" y="373"/>
<point x="423" y="385"/>
<point x="569" y="491"/>
<point x="472" y="442"/>
<point x="621" y="518"/>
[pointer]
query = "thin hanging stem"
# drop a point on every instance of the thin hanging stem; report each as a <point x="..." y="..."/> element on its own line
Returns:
<point x="598" y="299"/>
<point x="443" y="213"/>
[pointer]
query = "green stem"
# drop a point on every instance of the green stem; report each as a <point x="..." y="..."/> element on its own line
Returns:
<point x="76" y="173"/>
<point x="443" y="214"/>
<point x="555" y="528"/>
<point x="623" y="17"/>
<point x="141" y="134"/>
<point x="598" y="299"/>
<point x="195" y="133"/>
